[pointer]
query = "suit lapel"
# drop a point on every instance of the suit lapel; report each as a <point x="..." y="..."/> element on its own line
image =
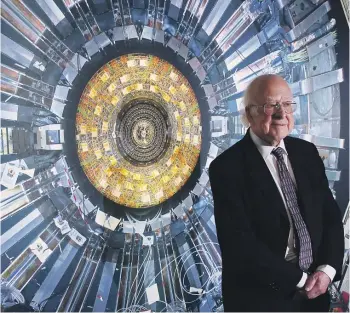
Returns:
<point x="262" y="179"/>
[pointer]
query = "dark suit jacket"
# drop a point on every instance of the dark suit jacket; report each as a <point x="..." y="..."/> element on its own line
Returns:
<point x="252" y="224"/>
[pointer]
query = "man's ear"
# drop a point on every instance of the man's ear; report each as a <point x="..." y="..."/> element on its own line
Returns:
<point x="247" y="113"/>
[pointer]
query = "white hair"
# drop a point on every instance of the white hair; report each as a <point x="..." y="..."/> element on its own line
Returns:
<point x="246" y="101"/>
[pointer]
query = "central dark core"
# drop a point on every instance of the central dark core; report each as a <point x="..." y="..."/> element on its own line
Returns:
<point x="143" y="131"/>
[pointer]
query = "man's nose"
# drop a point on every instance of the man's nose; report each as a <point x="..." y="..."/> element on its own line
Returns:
<point x="280" y="113"/>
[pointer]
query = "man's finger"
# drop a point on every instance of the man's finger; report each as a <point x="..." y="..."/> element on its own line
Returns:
<point x="310" y="283"/>
<point x="314" y="293"/>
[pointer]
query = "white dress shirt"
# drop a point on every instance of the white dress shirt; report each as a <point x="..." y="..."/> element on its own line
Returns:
<point x="265" y="150"/>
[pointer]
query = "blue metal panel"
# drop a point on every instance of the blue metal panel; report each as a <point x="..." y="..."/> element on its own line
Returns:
<point x="54" y="276"/>
<point x="104" y="287"/>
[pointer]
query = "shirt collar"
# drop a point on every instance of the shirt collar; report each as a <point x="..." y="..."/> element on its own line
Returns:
<point x="264" y="147"/>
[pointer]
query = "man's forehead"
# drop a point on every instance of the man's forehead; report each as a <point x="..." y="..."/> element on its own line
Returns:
<point x="276" y="92"/>
<point x="284" y="97"/>
<point x="272" y="86"/>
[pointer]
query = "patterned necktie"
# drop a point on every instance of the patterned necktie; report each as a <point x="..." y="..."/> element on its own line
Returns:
<point x="290" y="195"/>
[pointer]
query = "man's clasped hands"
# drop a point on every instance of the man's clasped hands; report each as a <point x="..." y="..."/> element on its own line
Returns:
<point x="316" y="285"/>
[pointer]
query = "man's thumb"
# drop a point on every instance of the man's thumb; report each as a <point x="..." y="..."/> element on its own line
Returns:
<point x="310" y="283"/>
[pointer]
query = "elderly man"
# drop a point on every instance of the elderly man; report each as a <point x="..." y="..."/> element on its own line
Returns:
<point x="279" y="228"/>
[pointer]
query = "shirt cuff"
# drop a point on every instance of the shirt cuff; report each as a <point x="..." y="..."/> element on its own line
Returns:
<point x="328" y="270"/>
<point x="302" y="281"/>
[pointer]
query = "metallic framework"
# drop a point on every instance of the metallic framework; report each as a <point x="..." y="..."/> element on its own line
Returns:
<point x="59" y="249"/>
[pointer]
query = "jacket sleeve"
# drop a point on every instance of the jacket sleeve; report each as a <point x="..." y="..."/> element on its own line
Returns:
<point x="239" y="245"/>
<point x="331" y="251"/>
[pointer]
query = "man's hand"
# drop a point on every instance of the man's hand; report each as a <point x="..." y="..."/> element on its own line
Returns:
<point x="316" y="284"/>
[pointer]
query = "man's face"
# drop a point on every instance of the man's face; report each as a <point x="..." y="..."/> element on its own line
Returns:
<point x="277" y="126"/>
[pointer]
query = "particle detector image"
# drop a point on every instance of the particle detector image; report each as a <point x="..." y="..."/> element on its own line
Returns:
<point x="112" y="112"/>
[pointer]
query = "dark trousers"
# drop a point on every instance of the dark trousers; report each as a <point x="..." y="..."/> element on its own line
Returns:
<point x="262" y="300"/>
<point x="319" y="304"/>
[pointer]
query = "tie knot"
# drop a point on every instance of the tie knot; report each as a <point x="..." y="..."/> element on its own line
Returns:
<point x="278" y="153"/>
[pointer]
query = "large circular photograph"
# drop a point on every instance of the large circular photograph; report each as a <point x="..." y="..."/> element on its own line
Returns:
<point x="137" y="129"/>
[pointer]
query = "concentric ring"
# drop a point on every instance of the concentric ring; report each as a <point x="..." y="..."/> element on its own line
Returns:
<point x="143" y="132"/>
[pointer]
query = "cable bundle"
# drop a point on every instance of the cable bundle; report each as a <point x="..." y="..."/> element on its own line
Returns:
<point x="302" y="55"/>
<point x="10" y="296"/>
